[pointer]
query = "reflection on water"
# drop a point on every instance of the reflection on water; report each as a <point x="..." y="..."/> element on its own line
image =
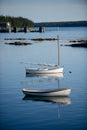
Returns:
<point x="58" y="100"/>
<point x="43" y="78"/>
<point x="32" y="79"/>
<point x="54" y="100"/>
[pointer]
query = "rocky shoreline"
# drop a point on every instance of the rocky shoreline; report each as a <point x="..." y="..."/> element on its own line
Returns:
<point x="77" y="43"/>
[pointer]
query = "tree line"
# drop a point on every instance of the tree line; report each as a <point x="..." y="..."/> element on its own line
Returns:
<point x="17" y="21"/>
<point x="62" y="24"/>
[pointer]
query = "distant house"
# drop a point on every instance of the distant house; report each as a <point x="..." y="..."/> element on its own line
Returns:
<point x="5" y="27"/>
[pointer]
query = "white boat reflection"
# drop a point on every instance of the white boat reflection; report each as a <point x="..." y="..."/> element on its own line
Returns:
<point x="41" y="78"/>
<point x="59" y="75"/>
<point x="57" y="100"/>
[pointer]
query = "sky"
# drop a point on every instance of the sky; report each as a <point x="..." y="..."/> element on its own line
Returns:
<point x="45" y="10"/>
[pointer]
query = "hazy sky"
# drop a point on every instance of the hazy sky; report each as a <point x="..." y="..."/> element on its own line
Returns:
<point x="45" y="10"/>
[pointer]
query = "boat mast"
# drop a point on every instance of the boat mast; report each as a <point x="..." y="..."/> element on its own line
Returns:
<point x="58" y="51"/>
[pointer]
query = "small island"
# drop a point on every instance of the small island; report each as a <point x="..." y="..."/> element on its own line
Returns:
<point x="18" y="43"/>
<point x="77" y="43"/>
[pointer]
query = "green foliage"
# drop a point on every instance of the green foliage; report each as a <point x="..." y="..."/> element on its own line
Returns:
<point x="17" y="21"/>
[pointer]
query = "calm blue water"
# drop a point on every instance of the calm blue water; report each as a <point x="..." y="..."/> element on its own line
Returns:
<point x="17" y="112"/>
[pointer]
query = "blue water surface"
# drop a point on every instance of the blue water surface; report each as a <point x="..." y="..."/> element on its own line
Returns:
<point x="18" y="112"/>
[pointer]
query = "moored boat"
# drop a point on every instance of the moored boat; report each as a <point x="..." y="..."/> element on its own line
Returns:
<point x="55" y="70"/>
<point x="43" y="71"/>
<point x="47" y="93"/>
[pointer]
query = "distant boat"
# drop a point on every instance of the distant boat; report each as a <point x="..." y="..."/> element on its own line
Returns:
<point x="55" y="70"/>
<point x="47" y="93"/>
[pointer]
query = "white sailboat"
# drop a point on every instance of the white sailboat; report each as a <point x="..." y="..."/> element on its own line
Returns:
<point x="55" y="70"/>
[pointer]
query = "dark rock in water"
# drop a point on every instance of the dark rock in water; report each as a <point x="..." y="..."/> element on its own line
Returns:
<point x="44" y="39"/>
<point x="79" y="45"/>
<point x="19" y="43"/>
<point x="79" y="41"/>
<point x="70" y="71"/>
<point x="15" y="39"/>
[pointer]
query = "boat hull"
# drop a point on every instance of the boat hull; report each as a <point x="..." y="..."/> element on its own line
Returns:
<point x="44" y="71"/>
<point x="48" y="93"/>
